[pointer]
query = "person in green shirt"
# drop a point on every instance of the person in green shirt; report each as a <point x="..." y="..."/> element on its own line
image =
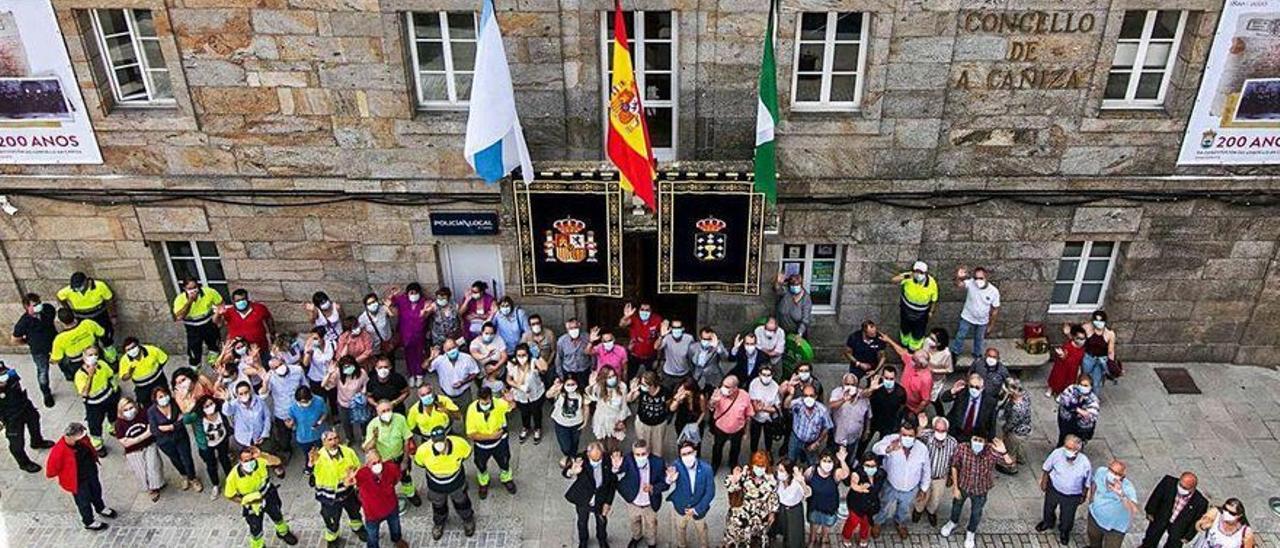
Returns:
<point x="389" y="434"/>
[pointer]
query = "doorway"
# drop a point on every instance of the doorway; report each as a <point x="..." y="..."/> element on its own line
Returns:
<point x="463" y="264"/>
<point x="640" y="284"/>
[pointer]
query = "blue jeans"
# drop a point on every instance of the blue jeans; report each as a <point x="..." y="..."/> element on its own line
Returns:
<point x="890" y="498"/>
<point x="962" y="332"/>
<point x="567" y="438"/>
<point x="1096" y="368"/>
<point x="798" y="451"/>
<point x="42" y="371"/>
<point x="976" y="503"/>
<point x="371" y="527"/>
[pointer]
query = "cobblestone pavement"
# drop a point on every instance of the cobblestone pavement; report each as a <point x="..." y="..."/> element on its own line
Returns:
<point x="1230" y="435"/>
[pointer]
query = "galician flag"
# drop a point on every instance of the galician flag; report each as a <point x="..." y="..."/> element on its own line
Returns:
<point x="495" y="142"/>
<point x="767" y="118"/>
<point x="628" y="142"/>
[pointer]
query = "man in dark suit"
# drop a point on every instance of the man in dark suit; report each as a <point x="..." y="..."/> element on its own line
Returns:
<point x="641" y="482"/>
<point x="747" y="359"/>
<point x="1174" y="507"/>
<point x="591" y="492"/>
<point x="974" y="412"/>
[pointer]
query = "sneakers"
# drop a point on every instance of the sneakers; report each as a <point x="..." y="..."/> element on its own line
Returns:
<point x="362" y="534"/>
<point x="1042" y="527"/>
<point x="437" y="532"/>
<point x="289" y="538"/>
<point x="186" y="485"/>
<point x="48" y="401"/>
<point x="511" y="486"/>
<point x="469" y="528"/>
<point x="96" y="526"/>
<point x="1064" y="539"/>
<point x="199" y="487"/>
<point x="415" y="500"/>
<point x="30" y="467"/>
<point x="537" y="437"/>
<point x="524" y="434"/>
<point x="483" y="491"/>
<point x="154" y="494"/>
<point x="107" y="512"/>
<point x="42" y="444"/>
<point x="968" y="539"/>
<point x="933" y="519"/>
<point x="947" y="529"/>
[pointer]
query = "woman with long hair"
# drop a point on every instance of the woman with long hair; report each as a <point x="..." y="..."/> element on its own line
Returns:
<point x="140" y="451"/>
<point x="524" y="377"/>
<point x="609" y="409"/>
<point x="1225" y="526"/>
<point x="348" y="379"/>
<point x="792" y="492"/>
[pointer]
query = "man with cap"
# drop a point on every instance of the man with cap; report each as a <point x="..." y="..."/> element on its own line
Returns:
<point x="249" y="485"/>
<point x="919" y="299"/>
<point x="487" y="428"/>
<point x="446" y="480"/>
<point x="20" y="417"/>
<point x="69" y="345"/>
<point x="143" y="365"/>
<point x="91" y="299"/>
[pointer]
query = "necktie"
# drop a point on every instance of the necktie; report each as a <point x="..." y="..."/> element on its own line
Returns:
<point x="970" y="415"/>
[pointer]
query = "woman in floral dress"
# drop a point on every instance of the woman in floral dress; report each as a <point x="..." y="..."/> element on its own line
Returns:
<point x="756" y="492"/>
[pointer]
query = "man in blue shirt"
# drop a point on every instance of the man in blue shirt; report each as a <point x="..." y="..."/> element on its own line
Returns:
<point x="249" y="416"/>
<point x="1064" y="482"/>
<point x="307" y="420"/>
<point x="282" y="383"/>
<point x="693" y="487"/>
<point x="1113" y="502"/>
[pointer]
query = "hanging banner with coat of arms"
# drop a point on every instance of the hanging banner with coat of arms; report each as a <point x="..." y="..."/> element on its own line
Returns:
<point x="709" y="237"/>
<point x="570" y="237"/>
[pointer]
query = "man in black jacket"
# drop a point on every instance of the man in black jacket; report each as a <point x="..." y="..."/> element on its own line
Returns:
<point x="20" y="417"/>
<point x="747" y="359"/>
<point x="591" y="492"/>
<point x="888" y="406"/>
<point x="974" y="412"/>
<point x="1174" y="507"/>
<point x="642" y="479"/>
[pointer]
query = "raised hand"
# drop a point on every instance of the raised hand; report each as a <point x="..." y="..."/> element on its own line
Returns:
<point x="628" y="310"/>
<point x="959" y="386"/>
<point x="737" y="340"/>
<point x="672" y="475"/>
<point x="998" y="445"/>
<point x="735" y="475"/>
<point x="576" y="467"/>
<point x="962" y="273"/>
<point x="309" y="307"/>
<point x="595" y="333"/>
<point x="842" y="453"/>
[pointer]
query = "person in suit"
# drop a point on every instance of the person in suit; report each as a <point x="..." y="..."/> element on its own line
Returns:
<point x="694" y="487"/>
<point x="974" y="412"/>
<point x="1173" y="508"/>
<point x="747" y="359"/>
<point x="591" y="492"/>
<point x="641" y="481"/>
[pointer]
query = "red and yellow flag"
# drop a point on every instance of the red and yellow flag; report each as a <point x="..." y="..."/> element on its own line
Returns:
<point x="628" y="142"/>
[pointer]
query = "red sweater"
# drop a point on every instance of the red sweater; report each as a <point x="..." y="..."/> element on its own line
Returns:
<point x="378" y="493"/>
<point x="62" y="463"/>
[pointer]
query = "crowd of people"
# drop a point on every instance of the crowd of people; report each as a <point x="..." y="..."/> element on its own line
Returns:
<point x="430" y="381"/>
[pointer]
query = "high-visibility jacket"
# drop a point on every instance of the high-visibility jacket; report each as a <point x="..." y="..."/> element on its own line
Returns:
<point x="146" y="367"/>
<point x="487" y="423"/>
<point x="250" y="488"/>
<point x="424" y="419"/>
<point x="201" y="310"/>
<point x="88" y="303"/>
<point x="444" y="469"/>
<point x="70" y="344"/>
<point x="101" y="386"/>
<point x="330" y="472"/>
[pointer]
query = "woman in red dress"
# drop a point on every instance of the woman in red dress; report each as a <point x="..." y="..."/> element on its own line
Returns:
<point x="1066" y="360"/>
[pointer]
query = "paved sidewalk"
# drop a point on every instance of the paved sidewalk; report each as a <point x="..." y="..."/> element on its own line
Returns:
<point x="1230" y="436"/>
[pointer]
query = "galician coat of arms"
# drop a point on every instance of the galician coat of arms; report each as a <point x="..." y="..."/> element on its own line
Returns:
<point x="569" y="242"/>
<point x="709" y="242"/>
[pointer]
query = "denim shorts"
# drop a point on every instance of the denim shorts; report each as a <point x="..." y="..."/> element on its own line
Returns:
<point x="822" y="518"/>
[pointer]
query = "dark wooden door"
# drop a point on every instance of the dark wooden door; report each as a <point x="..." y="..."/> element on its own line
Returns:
<point x="640" y="284"/>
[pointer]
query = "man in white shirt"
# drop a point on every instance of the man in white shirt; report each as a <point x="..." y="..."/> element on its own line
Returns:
<point x="454" y="371"/>
<point x="981" y="307"/>
<point x="771" y="340"/>
<point x="907" y="464"/>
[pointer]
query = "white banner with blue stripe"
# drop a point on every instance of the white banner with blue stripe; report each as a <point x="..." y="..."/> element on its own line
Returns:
<point x="495" y="141"/>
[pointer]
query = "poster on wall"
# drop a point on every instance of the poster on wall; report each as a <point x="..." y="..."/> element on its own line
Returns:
<point x="709" y="237"/>
<point x="42" y="115"/>
<point x="1236" y="119"/>
<point x="570" y="237"/>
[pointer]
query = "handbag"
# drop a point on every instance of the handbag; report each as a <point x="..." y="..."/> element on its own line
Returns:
<point x="360" y="412"/>
<point x="1115" y="369"/>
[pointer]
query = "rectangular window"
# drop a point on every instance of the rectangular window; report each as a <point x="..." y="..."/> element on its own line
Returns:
<point x="1084" y="272"/>
<point x="1145" y="53"/>
<point x="442" y="47"/>
<point x="199" y="260"/>
<point x="819" y="265"/>
<point x="830" y="57"/>
<point x="652" y="37"/>
<point x="132" y="60"/>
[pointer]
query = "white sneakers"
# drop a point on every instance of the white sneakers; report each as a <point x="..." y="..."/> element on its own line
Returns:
<point x="968" y="539"/>
<point x="947" y="529"/>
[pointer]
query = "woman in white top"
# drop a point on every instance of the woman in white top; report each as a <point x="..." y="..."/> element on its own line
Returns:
<point x="325" y="313"/>
<point x="524" y="376"/>
<point x="792" y="492"/>
<point x="940" y="364"/>
<point x="1225" y="527"/>
<point x="376" y="320"/>
<point x="609" y="413"/>
<point x="568" y="412"/>
<point x="317" y="354"/>
<point x="766" y="402"/>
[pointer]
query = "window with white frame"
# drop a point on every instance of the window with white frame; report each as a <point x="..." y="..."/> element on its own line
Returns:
<point x="196" y="259"/>
<point x="131" y="56"/>
<point x="652" y="37"/>
<point x="831" y="55"/>
<point x="1145" y="53"/>
<point x="819" y="266"/>
<point x="443" y="52"/>
<point x="1084" y="272"/>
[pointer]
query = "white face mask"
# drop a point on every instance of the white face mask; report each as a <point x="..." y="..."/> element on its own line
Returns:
<point x="992" y="361"/>
<point x="982" y="284"/>
<point x="183" y="385"/>
<point x="282" y="370"/>
<point x="249" y="467"/>
<point x="385" y="417"/>
<point x="750" y="348"/>
<point x="782" y="476"/>
<point x="642" y="462"/>
<point x="809" y="401"/>
<point x="376" y="467"/>
<point x="536" y="328"/>
<point x="372" y="308"/>
<point x="442" y="302"/>
<point x="1183" y="491"/>
<point x="1086" y="389"/>
<point x="1229" y="517"/>
<point x="163" y="401"/>
<point x="908" y="441"/>
<point x="245" y="399"/>
<point x="827" y="466"/>
<point x="766" y="379"/>
<point x="210" y="409"/>
<point x="688" y="460"/>
<point x="133" y="352"/>
<point x="356" y="330"/>
<point x="414" y="297"/>
<point x="129" y="414"/>
<point x="939" y="435"/>
<point x="726" y="391"/>
<point x="608" y="346"/>
<point x="383" y="372"/>
<point x="574" y="332"/>
<point x="90" y="360"/>
<point x="438" y="446"/>
<point x="505" y="310"/>
<point x="804" y="375"/>
<point x="1099" y="324"/>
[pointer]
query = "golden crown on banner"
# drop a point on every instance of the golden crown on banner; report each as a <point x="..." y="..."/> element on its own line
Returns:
<point x="711" y="224"/>
<point x="569" y="225"/>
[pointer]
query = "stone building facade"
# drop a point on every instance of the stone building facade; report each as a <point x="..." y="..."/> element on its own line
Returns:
<point x="999" y="107"/>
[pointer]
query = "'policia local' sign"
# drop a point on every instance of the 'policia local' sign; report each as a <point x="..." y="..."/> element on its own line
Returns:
<point x="464" y="223"/>
<point x="42" y="115"/>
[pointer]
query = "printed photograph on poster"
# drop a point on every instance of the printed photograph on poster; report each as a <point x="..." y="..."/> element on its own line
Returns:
<point x="1236" y="118"/>
<point x="42" y="114"/>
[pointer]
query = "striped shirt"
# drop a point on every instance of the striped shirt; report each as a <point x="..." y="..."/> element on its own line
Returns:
<point x="940" y="453"/>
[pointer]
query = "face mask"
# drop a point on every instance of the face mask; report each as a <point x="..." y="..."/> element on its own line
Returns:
<point x="888" y="385"/>
<point x="133" y="352"/>
<point x="356" y="330"/>
<point x="644" y="315"/>
<point x="376" y="468"/>
<point x="611" y="382"/>
<point x="304" y="403"/>
<point x="574" y="332"/>
<point x="725" y="390"/>
<point x="428" y="399"/>
<point x="90" y="360"/>
<point x="908" y="441"/>
<point x="349" y="370"/>
<point x="504" y="310"/>
<point x="326" y="305"/>
<point x="794" y="289"/>
<point x="385" y="417"/>
<point x="372" y="307"/>
<point x="163" y="400"/>
<point x="1112" y="477"/>
<point x="939" y="435"/>
<point x="1085" y="389"/>
<point x="804" y="375"/>
<point x="1183" y="492"/>
<point x="919" y="278"/>
<point x="827" y="466"/>
<point x="595" y="463"/>
<point x="414" y="297"/>
<point x="982" y="283"/>
<point x="183" y="385"/>
<point x="974" y="392"/>
<point x="383" y="373"/>
<point x="249" y="467"/>
<point x="442" y="303"/>
<point x="608" y="346"/>
<point x="571" y="388"/>
<point x="991" y="362"/>
<point x="522" y="358"/>
<point x="642" y="461"/>
<point x="282" y="370"/>
<point x="487" y="337"/>
<point x="1229" y="517"/>
<point x="334" y="451"/>
<point x="210" y="409"/>
<point x="766" y="379"/>
<point x="870" y="470"/>
<point x="809" y="401"/>
<point x="242" y="305"/>
<point x="452" y="354"/>
<point x="688" y="460"/>
<point x="750" y="348"/>
<point x="245" y="399"/>
<point x="241" y="350"/>
<point x="706" y="343"/>
<point x="1071" y="455"/>
<point x="977" y="446"/>
<point x="438" y="446"/>
<point x="536" y="328"/>
<point x="485" y="407"/>
<point x="129" y="414"/>
<point x="677" y="332"/>
<point x="758" y="471"/>
<point x="782" y="476"/>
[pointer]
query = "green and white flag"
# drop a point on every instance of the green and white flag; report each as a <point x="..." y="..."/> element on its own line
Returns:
<point x="766" y="167"/>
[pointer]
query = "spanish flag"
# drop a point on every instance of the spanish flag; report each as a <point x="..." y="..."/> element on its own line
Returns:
<point x="628" y="141"/>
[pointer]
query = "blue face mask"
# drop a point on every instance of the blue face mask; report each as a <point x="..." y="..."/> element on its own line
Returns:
<point x="242" y="305"/>
<point x="677" y="332"/>
<point x="794" y="289"/>
<point x="974" y="392"/>
<point x="888" y="385"/>
<point x="452" y="354"/>
<point x="427" y="400"/>
<point x="977" y="446"/>
<point x="644" y="315"/>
